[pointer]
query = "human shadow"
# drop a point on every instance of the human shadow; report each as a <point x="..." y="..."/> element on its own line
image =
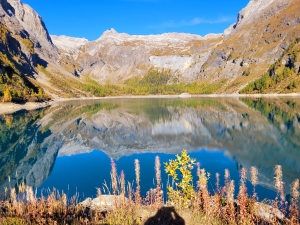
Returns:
<point x="165" y="216"/>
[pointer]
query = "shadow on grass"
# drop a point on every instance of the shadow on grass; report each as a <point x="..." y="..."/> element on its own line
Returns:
<point x="165" y="216"/>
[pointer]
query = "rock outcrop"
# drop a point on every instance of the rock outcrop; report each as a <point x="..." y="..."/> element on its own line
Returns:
<point x="24" y="23"/>
<point x="104" y="203"/>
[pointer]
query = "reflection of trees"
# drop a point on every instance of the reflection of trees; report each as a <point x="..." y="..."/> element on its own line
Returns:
<point x="70" y="111"/>
<point x="17" y="132"/>
<point x="282" y="113"/>
<point x="22" y="140"/>
<point x="164" y="109"/>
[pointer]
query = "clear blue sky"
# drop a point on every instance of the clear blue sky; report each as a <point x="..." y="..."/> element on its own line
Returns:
<point x="91" y="18"/>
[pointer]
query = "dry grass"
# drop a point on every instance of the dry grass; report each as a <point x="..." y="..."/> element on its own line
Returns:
<point x="219" y="207"/>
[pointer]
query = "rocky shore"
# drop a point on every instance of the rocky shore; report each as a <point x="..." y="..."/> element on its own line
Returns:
<point x="9" y="108"/>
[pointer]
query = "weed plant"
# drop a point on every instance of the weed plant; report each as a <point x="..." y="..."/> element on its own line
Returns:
<point x="186" y="203"/>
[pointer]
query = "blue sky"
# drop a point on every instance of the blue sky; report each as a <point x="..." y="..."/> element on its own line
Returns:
<point x="91" y="18"/>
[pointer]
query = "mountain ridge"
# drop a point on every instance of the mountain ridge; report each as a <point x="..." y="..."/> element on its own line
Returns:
<point x="245" y="51"/>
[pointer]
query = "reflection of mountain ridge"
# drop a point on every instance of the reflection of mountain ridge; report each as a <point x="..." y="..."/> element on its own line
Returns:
<point x="125" y="127"/>
<point x="228" y="124"/>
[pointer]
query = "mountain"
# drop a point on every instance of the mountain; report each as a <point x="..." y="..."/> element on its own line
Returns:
<point x="65" y="66"/>
<point x="246" y="50"/>
<point x="115" y="57"/>
<point x="25" y="43"/>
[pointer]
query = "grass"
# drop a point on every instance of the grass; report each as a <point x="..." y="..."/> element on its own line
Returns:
<point x="199" y="205"/>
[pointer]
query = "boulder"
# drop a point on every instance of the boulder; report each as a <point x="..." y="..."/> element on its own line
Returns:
<point x="268" y="213"/>
<point x="185" y="95"/>
<point x="104" y="203"/>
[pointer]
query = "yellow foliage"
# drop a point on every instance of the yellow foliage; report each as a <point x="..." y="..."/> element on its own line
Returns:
<point x="29" y="45"/>
<point x="7" y="96"/>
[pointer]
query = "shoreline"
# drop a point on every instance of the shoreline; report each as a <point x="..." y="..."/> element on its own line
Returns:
<point x="181" y="96"/>
<point x="9" y="108"/>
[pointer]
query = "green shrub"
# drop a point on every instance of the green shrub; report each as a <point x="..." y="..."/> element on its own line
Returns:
<point x="292" y="85"/>
<point x="246" y="72"/>
<point x="184" y="192"/>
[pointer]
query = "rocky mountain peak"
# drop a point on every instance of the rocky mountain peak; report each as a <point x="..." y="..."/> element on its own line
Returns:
<point x="111" y="31"/>
<point x="35" y="26"/>
<point x="250" y="12"/>
<point x="252" y="9"/>
<point x="69" y="44"/>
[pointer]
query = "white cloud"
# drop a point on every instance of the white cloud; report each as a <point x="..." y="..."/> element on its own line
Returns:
<point x="193" y="22"/>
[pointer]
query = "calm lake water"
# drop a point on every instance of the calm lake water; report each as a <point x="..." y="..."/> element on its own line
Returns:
<point x="70" y="145"/>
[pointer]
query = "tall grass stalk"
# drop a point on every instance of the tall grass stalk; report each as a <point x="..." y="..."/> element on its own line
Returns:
<point x="113" y="176"/>
<point x="158" y="195"/>
<point x="279" y="182"/>
<point x="254" y="180"/>
<point x="294" y="209"/>
<point x="23" y="207"/>
<point x="137" y="180"/>
<point x="242" y="197"/>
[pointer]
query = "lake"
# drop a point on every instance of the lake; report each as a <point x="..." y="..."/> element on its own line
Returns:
<point x="69" y="146"/>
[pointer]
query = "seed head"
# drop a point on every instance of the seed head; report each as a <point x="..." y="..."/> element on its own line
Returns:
<point x="254" y="173"/>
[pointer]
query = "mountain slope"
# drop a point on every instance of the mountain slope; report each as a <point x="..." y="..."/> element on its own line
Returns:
<point x="282" y="76"/>
<point x="115" y="57"/>
<point x="255" y="43"/>
<point x="32" y="61"/>
<point x="24" y="43"/>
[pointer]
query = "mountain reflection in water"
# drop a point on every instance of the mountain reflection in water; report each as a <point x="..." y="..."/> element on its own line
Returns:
<point x="252" y="132"/>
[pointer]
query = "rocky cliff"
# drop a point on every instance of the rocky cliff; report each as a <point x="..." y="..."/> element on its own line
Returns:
<point x="25" y="44"/>
<point x="24" y="23"/>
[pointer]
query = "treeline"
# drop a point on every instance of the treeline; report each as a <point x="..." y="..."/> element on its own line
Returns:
<point x="17" y="88"/>
<point x="71" y="87"/>
<point x="154" y="82"/>
<point x="279" y="72"/>
<point x="160" y="81"/>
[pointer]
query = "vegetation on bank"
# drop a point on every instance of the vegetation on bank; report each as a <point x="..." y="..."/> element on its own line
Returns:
<point x="186" y="204"/>
<point x="282" y="76"/>
<point x="154" y="82"/>
<point x="15" y="87"/>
